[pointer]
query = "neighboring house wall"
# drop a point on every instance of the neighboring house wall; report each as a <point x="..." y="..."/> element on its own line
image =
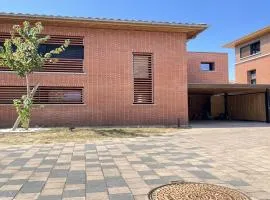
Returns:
<point x="219" y="73"/>
<point x="265" y="48"/>
<point x="107" y="80"/>
<point x="262" y="67"/>
<point x="259" y="62"/>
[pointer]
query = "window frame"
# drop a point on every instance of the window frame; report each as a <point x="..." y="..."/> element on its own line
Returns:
<point x="37" y="98"/>
<point x="62" y="65"/>
<point x="211" y="66"/>
<point x="250" y="49"/>
<point x="252" y="80"/>
<point x="152" y="77"/>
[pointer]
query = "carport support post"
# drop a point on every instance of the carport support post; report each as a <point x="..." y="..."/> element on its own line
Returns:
<point x="267" y="99"/>
<point x="226" y="105"/>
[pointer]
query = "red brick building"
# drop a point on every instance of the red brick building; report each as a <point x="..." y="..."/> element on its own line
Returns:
<point x="114" y="73"/>
<point x="199" y="70"/>
<point x="252" y="57"/>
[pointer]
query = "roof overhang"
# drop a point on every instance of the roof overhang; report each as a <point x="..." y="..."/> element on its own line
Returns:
<point x="192" y="30"/>
<point x="248" y="37"/>
<point x="215" y="89"/>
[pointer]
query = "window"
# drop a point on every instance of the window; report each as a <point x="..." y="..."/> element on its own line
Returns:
<point x="255" y="48"/>
<point x="71" y="60"/>
<point x="143" y="78"/>
<point x="207" y="66"/>
<point x="252" y="77"/>
<point x="250" y="49"/>
<point x="71" y="52"/>
<point x="44" y="95"/>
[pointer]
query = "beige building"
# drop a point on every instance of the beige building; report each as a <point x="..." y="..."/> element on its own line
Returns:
<point x="252" y="57"/>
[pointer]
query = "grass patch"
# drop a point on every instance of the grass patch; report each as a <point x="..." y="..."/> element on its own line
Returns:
<point x="62" y="135"/>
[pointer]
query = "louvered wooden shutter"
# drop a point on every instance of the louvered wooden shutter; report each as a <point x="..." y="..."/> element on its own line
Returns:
<point x="143" y="78"/>
<point x="70" y="60"/>
<point x="44" y="94"/>
<point x="54" y="39"/>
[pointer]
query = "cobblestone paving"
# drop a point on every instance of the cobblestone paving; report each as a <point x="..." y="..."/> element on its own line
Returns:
<point x="126" y="169"/>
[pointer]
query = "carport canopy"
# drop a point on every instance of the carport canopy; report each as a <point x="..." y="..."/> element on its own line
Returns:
<point x="230" y="89"/>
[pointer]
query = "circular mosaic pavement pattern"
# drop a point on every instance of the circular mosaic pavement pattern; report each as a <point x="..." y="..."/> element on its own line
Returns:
<point x="195" y="191"/>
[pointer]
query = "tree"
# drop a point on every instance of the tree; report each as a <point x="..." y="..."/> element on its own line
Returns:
<point x="21" y="54"/>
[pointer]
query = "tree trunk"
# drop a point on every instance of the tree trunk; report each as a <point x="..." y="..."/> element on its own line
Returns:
<point x="31" y="95"/>
<point x="27" y="86"/>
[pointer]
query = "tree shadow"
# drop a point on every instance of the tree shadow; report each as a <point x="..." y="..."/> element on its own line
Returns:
<point x="119" y="133"/>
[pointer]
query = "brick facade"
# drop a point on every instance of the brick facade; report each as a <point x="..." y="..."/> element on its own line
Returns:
<point x="220" y="73"/>
<point x="107" y="80"/>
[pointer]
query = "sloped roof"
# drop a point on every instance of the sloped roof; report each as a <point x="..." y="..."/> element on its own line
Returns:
<point x="191" y="29"/>
<point x="248" y="37"/>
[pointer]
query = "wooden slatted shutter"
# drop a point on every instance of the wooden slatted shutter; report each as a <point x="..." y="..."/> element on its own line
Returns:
<point x="44" y="95"/>
<point x="70" y="60"/>
<point x="143" y="78"/>
<point x="54" y="39"/>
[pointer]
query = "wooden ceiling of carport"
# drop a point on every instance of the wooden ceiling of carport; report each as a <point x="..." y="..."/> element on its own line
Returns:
<point x="214" y="89"/>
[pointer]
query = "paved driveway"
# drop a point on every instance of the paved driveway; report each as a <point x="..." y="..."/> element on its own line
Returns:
<point x="124" y="169"/>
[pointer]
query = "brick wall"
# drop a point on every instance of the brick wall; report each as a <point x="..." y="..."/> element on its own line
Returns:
<point x="262" y="67"/>
<point x="196" y="75"/>
<point x="107" y="81"/>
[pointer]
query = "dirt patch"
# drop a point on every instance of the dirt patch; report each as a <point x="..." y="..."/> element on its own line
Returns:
<point x="59" y="135"/>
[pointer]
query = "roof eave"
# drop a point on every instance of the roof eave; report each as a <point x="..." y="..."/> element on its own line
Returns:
<point x="192" y="30"/>
<point x="248" y="38"/>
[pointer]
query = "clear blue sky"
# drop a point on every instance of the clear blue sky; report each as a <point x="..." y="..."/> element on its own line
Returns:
<point x="228" y="19"/>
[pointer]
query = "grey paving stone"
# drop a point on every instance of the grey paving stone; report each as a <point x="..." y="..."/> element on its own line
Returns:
<point x="136" y="162"/>
<point x="19" y="162"/>
<point x="11" y="193"/>
<point x="58" y="173"/>
<point x="169" y="179"/>
<point x="90" y="147"/>
<point x="16" y="182"/>
<point x="115" y="182"/>
<point x="43" y="169"/>
<point x="6" y="175"/>
<point x="108" y="166"/>
<point x="238" y="182"/>
<point x="2" y="183"/>
<point x="121" y="197"/>
<point x="14" y="154"/>
<point x="50" y="197"/>
<point x="92" y="165"/>
<point x="147" y="159"/>
<point x="107" y="161"/>
<point x="76" y="177"/>
<point x="192" y="155"/>
<point x="148" y="172"/>
<point x="156" y="182"/>
<point x="77" y="158"/>
<point x="203" y="174"/>
<point x="75" y="180"/>
<point x="48" y="162"/>
<point x="39" y="156"/>
<point x="203" y="166"/>
<point x="95" y="186"/>
<point x="73" y="193"/>
<point x="32" y="186"/>
<point x="28" y="169"/>
<point x="187" y="165"/>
